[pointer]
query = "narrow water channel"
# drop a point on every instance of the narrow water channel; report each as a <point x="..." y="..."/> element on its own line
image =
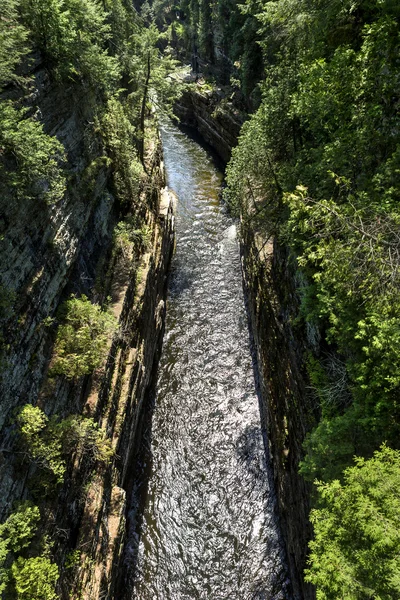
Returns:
<point x="207" y="527"/>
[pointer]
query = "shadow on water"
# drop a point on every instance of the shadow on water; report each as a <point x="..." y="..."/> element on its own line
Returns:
<point x="136" y="489"/>
<point x="246" y="446"/>
<point x="194" y="135"/>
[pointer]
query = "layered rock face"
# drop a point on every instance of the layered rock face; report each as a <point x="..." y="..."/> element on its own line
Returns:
<point x="214" y="116"/>
<point x="271" y="288"/>
<point x="47" y="253"/>
<point x="119" y="400"/>
<point x="286" y="412"/>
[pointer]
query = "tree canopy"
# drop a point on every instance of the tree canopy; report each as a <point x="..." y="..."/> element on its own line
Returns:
<point x="355" y="552"/>
<point x="317" y="166"/>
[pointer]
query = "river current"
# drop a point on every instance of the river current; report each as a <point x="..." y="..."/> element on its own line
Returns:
<point x="203" y="523"/>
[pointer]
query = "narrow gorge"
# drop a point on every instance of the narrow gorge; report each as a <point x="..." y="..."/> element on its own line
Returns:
<point x="209" y="527"/>
<point x="199" y="300"/>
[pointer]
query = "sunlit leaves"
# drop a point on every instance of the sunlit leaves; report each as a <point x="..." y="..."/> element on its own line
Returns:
<point x="16" y="534"/>
<point x="354" y="553"/>
<point x="13" y="41"/>
<point x="318" y="165"/>
<point x="82" y="338"/>
<point x="31" y="158"/>
<point x="35" y="578"/>
<point x="72" y="34"/>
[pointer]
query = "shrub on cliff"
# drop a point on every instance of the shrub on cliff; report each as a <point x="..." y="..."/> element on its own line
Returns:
<point x="29" y="159"/>
<point x="50" y="443"/>
<point x="34" y="578"/>
<point x="25" y="577"/>
<point x="82" y="337"/>
<point x="42" y="445"/>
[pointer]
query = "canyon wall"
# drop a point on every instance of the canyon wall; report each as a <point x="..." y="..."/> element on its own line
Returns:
<point x="213" y="115"/>
<point x="47" y="253"/>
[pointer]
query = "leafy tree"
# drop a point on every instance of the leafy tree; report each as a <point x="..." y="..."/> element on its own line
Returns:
<point x="29" y="159"/>
<point x="120" y="135"/>
<point x="206" y="42"/>
<point x="72" y="34"/>
<point x="16" y="534"/>
<point x="355" y="550"/>
<point x="50" y="443"/>
<point x="318" y="166"/>
<point x="123" y="21"/>
<point x="42" y="444"/>
<point x="13" y="42"/>
<point x="153" y="76"/>
<point x="84" y="436"/>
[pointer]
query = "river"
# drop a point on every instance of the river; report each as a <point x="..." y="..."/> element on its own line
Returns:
<point x="203" y="522"/>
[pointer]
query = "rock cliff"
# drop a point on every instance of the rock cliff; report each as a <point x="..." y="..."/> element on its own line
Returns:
<point x="47" y="253"/>
<point x="213" y="114"/>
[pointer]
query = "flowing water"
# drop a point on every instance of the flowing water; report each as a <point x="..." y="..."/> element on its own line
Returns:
<point x="208" y="526"/>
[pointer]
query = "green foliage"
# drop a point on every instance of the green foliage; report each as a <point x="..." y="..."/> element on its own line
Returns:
<point x="13" y="42"/>
<point x="35" y="578"/>
<point x="82" y="338"/>
<point x="41" y="442"/>
<point x="21" y="526"/>
<point x="331" y="445"/>
<point x="50" y="443"/>
<point x="32" y="578"/>
<point x="318" y="166"/>
<point x="101" y="45"/>
<point x="72" y="559"/>
<point x="72" y="35"/>
<point x="355" y="551"/>
<point x="224" y="33"/>
<point x="127" y="233"/>
<point x="205" y="29"/>
<point x="120" y="136"/>
<point x="154" y="73"/>
<point x="16" y="534"/>
<point x="352" y="262"/>
<point x="84" y="436"/>
<point x="29" y="159"/>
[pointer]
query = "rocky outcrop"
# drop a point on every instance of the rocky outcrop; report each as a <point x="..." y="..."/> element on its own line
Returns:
<point x="286" y="412"/>
<point x="47" y="251"/>
<point x="213" y="114"/>
<point x="119" y="399"/>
